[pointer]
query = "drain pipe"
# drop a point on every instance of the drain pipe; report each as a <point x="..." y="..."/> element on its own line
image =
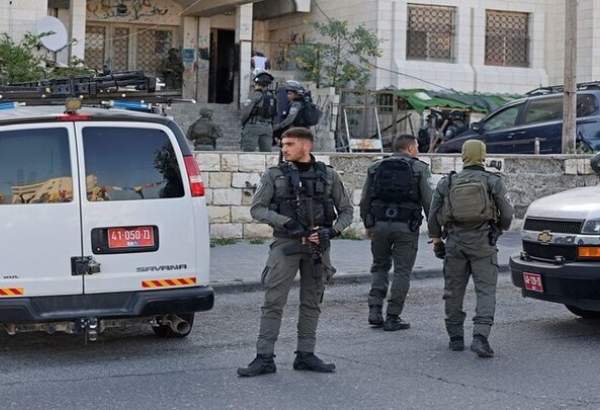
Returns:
<point x="472" y="46"/>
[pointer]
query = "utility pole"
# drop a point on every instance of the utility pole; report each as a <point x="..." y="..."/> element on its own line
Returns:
<point x="570" y="78"/>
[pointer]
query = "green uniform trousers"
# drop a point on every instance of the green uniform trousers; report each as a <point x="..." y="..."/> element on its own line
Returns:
<point x="257" y="135"/>
<point x="277" y="279"/>
<point x="392" y="241"/>
<point x="482" y="264"/>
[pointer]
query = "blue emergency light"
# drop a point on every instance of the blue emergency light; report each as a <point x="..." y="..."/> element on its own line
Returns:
<point x="8" y="105"/>
<point x="131" y="105"/>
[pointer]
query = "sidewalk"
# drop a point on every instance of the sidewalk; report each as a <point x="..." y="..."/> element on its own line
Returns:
<point x="238" y="267"/>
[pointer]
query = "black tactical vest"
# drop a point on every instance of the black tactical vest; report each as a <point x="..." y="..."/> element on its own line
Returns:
<point x="305" y="196"/>
<point x="266" y="108"/>
<point x="395" y="192"/>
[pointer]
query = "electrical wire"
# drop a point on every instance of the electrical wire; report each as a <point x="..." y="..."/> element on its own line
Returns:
<point x="320" y="9"/>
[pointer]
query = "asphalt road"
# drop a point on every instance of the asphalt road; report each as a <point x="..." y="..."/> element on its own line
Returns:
<point x="545" y="359"/>
<point x="239" y="265"/>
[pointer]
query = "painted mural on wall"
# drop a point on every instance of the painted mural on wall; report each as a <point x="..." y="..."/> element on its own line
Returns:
<point x="134" y="11"/>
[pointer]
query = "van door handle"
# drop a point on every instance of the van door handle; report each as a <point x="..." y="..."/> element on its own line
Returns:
<point x="85" y="265"/>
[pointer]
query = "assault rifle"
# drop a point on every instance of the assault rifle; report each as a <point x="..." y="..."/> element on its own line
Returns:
<point x="316" y="249"/>
<point x="307" y="247"/>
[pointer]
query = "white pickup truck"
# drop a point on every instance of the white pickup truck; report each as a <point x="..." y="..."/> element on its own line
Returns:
<point x="560" y="261"/>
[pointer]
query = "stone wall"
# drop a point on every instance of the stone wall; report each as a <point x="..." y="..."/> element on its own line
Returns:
<point x="232" y="178"/>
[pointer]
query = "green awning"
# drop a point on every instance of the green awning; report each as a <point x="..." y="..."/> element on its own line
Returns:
<point x="420" y="99"/>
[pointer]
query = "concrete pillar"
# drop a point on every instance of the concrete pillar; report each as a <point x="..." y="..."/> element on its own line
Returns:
<point x="189" y="54"/>
<point x="64" y="15"/>
<point x="77" y="29"/>
<point x="20" y="17"/>
<point x="302" y="6"/>
<point x="243" y="37"/>
<point x="203" y="61"/>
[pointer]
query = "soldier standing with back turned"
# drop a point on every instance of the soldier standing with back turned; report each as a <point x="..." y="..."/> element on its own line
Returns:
<point x="203" y="133"/>
<point x="299" y="198"/>
<point x="396" y="191"/>
<point x="257" y="115"/>
<point x="471" y="208"/>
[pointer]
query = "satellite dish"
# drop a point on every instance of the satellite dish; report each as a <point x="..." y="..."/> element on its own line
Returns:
<point x="58" y="39"/>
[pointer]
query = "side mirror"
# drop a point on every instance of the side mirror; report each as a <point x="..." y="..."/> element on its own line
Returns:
<point x="476" y="126"/>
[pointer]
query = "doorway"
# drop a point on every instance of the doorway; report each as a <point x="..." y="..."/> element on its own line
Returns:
<point x="222" y="66"/>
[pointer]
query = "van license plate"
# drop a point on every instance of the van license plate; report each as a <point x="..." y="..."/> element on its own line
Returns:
<point x="138" y="237"/>
<point x="533" y="282"/>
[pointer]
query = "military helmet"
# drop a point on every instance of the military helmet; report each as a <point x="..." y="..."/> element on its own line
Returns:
<point x="262" y="77"/>
<point x="206" y="112"/>
<point x="295" y="86"/>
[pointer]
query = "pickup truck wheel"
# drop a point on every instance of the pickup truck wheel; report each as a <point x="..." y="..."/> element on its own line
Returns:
<point x="586" y="314"/>
<point x="167" y="332"/>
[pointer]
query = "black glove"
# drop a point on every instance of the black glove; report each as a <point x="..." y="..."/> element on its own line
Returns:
<point x="295" y="229"/>
<point x="439" y="249"/>
<point x="328" y="233"/>
<point x="325" y="236"/>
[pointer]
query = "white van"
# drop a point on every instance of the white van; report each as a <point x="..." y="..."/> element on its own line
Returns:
<point x="560" y="261"/>
<point x="103" y="222"/>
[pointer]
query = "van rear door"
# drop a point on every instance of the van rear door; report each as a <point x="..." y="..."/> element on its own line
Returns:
<point x="40" y="218"/>
<point x="138" y="216"/>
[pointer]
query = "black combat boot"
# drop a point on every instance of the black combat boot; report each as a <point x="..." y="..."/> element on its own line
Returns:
<point x="481" y="346"/>
<point x="457" y="343"/>
<point x="262" y="364"/>
<point x="393" y="323"/>
<point x="308" y="361"/>
<point x="375" y="316"/>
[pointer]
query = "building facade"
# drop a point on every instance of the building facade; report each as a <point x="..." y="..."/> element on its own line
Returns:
<point x="467" y="45"/>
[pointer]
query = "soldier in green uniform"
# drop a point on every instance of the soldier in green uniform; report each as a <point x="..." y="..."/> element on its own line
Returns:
<point x="395" y="193"/>
<point x="470" y="209"/>
<point x="203" y="132"/>
<point x="257" y="115"/>
<point x="172" y="70"/>
<point x="300" y="199"/>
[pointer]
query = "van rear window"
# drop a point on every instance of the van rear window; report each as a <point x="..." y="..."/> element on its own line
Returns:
<point x="124" y="164"/>
<point x="35" y="166"/>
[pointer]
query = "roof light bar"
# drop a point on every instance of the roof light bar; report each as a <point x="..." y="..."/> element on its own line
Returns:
<point x="10" y="105"/>
<point x="129" y="105"/>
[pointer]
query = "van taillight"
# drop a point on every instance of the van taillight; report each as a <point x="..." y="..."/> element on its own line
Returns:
<point x="196" y="184"/>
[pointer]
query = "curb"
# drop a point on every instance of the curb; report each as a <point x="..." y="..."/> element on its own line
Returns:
<point x="353" y="278"/>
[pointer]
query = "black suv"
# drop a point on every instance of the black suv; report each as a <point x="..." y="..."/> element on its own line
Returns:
<point x="514" y="128"/>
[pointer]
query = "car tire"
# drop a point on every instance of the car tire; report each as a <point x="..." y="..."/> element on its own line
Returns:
<point x="585" y="314"/>
<point x="165" y="331"/>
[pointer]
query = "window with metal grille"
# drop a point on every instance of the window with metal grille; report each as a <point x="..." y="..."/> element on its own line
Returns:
<point x="430" y="32"/>
<point x="120" y="48"/>
<point x="95" y="39"/>
<point x="152" y="48"/>
<point x="507" y="38"/>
